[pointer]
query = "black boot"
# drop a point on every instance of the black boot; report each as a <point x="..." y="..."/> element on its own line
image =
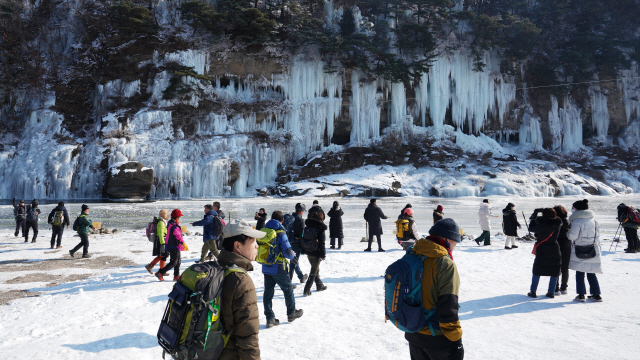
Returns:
<point x="307" y="286"/>
<point x="319" y="285"/>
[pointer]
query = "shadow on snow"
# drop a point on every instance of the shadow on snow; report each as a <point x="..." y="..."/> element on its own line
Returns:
<point x="136" y="340"/>
<point x="506" y="305"/>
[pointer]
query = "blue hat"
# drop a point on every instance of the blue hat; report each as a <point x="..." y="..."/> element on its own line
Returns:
<point x="447" y="228"/>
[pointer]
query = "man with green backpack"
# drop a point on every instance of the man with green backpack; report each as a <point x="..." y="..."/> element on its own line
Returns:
<point x="274" y="253"/>
<point x="83" y="225"/>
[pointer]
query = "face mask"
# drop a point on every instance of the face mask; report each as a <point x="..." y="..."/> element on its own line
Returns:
<point x="573" y="210"/>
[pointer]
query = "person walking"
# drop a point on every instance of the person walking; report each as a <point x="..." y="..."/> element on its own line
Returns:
<point x="335" y="225"/>
<point x="32" y="221"/>
<point x="294" y="234"/>
<point x="630" y="229"/>
<point x="20" y="215"/>
<point x="585" y="233"/>
<point x="485" y="223"/>
<point x="159" y="250"/>
<point x="510" y="226"/>
<point x="315" y="226"/>
<point x="58" y="218"/>
<point x="238" y="299"/>
<point x="546" y="249"/>
<point x="261" y="217"/>
<point x="174" y="244"/>
<point x="278" y="273"/>
<point x="83" y="227"/>
<point x="372" y="216"/>
<point x="442" y="339"/>
<point x="209" y="240"/>
<point x="565" y="250"/>
<point x="438" y="214"/>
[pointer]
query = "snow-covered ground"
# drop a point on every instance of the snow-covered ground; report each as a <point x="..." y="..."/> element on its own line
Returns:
<point x="115" y="312"/>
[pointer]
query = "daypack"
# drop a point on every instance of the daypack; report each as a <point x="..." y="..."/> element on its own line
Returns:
<point x="58" y="218"/>
<point x="191" y="327"/>
<point x="403" y="294"/>
<point x="267" y="247"/>
<point x="309" y="241"/>
<point x="630" y="215"/>
<point x="218" y="228"/>
<point x="151" y="230"/>
<point x="32" y="215"/>
<point x="402" y="227"/>
<point x="288" y="222"/>
<point x="76" y="224"/>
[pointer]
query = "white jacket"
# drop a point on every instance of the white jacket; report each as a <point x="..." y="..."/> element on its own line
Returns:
<point x="585" y="230"/>
<point x="485" y="214"/>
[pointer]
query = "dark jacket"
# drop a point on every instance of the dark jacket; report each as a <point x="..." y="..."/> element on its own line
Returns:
<point x="34" y="205"/>
<point x="19" y="210"/>
<point x="174" y="240"/>
<point x="548" y="257"/>
<point x="322" y="252"/>
<point x="239" y="309"/>
<point x="437" y="215"/>
<point x="84" y="224"/>
<point x="65" y="221"/>
<point x="262" y="218"/>
<point x="298" y="228"/>
<point x="372" y="215"/>
<point x="314" y="209"/>
<point x="510" y="222"/>
<point x="335" y="224"/>
<point x="208" y="223"/>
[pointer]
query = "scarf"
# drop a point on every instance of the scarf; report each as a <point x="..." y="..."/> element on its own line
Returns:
<point x="442" y="242"/>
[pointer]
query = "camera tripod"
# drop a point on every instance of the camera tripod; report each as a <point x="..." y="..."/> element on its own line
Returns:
<point x="617" y="241"/>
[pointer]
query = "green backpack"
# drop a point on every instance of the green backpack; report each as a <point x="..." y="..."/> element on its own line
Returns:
<point x="267" y="247"/>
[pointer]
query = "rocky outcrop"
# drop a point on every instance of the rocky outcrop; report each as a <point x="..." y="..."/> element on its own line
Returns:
<point x="130" y="180"/>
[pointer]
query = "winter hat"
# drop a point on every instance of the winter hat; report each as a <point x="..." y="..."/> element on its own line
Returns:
<point x="372" y="201"/>
<point x="21" y="202"/>
<point x="439" y="208"/>
<point x="447" y="228"/>
<point x="176" y="214"/>
<point x="315" y="202"/>
<point x="581" y="205"/>
<point x="408" y="212"/>
<point x="85" y="207"/>
<point x="300" y="207"/>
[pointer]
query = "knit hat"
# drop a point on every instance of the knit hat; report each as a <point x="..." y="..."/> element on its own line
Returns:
<point x="447" y="228"/>
<point x="581" y="204"/>
<point x="300" y="207"/>
<point x="408" y="212"/>
<point x="439" y="208"/>
<point x="176" y="214"/>
<point x="85" y="207"/>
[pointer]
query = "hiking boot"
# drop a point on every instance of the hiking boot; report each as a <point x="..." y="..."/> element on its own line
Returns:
<point x="294" y="315"/>
<point x="176" y="278"/>
<point x="71" y="253"/>
<point x="319" y="285"/>
<point x="564" y="292"/>
<point x="149" y="268"/>
<point x="532" y="294"/>
<point x="159" y="276"/>
<point x="507" y="248"/>
<point x="632" y="251"/>
<point x="58" y="247"/>
<point x="304" y="279"/>
<point x="367" y="249"/>
<point x="580" y="298"/>
<point x="307" y="286"/>
<point x="550" y="295"/>
<point x="595" y="298"/>
<point x="33" y="241"/>
<point x="86" y="256"/>
<point x="514" y="246"/>
<point x="273" y="322"/>
<point x="52" y="246"/>
<point x="332" y="247"/>
<point x="381" y="250"/>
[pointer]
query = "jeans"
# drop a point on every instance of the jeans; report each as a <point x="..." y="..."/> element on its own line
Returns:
<point x="565" y="250"/>
<point x="31" y="225"/>
<point x="486" y="236"/>
<point x="84" y="244"/>
<point x="371" y="240"/>
<point x="174" y="263"/>
<point x="20" y="224"/>
<point x="296" y="249"/>
<point x="429" y="347"/>
<point x="284" y="282"/>
<point x="56" y="233"/>
<point x="594" y="287"/>
<point x="553" y="280"/>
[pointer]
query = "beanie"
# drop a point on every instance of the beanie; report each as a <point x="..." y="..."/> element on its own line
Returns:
<point x="439" y="208"/>
<point x="447" y="228"/>
<point x="61" y="203"/>
<point x="300" y="207"/>
<point x="85" y="207"/>
<point x="581" y="204"/>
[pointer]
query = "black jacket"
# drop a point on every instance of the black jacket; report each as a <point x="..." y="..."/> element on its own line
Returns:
<point x="20" y="211"/>
<point x="314" y="209"/>
<point x="437" y="215"/>
<point x="335" y="224"/>
<point x="510" y="222"/>
<point x="53" y="213"/>
<point x="372" y="215"/>
<point x="298" y="228"/>
<point x="548" y="256"/>
<point x="322" y="252"/>
<point x="262" y="218"/>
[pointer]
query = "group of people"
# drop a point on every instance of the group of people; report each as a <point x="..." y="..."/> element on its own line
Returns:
<point x="28" y="216"/>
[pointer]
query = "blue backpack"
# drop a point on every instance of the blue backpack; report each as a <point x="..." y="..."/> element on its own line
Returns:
<point x="403" y="294"/>
<point x="288" y="225"/>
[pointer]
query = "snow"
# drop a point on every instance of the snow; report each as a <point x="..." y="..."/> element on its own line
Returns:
<point x="115" y="312"/>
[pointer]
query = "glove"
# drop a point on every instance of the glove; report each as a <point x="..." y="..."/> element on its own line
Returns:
<point x="457" y="350"/>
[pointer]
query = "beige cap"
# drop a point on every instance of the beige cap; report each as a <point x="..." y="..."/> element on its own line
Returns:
<point x="239" y="227"/>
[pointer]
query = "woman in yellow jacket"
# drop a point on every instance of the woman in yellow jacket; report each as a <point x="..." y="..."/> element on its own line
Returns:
<point x="158" y="245"/>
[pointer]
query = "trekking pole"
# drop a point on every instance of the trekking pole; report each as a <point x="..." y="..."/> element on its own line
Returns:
<point x="526" y="223"/>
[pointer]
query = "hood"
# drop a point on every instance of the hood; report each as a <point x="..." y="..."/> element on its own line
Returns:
<point x="212" y="213"/>
<point x="506" y="212"/>
<point x="228" y="258"/>
<point x="582" y="214"/>
<point x="274" y="224"/>
<point x="430" y="249"/>
<point x="315" y="223"/>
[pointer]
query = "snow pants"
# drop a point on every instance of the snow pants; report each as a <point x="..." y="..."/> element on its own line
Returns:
<point x="31" y="225"/>
<point x="632" y="238"/>
<point x="282" y="280"/>
<point x="20" y="224"/>
<point x="84" y="244"/>
<point x="428" y="347"/>
<point x="594" y="286"/>
<point x="56" y="234"/>
<point x="174" y="263"/>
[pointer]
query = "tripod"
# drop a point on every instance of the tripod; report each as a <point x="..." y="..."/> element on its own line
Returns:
<point x="617" y="241"/>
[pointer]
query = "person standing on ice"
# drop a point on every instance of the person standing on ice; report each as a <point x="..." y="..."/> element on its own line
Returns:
<point x="209" y="240"/>
<point x="565" y="249"/>
<point x="440" y="289"/>
<point x="485" y="223"/>
<point x="335" y="225"/>
<point x="58" y="218"/>
<point x="278" y="273"/>
<point x="32" y="221"/>
<point x="546" y="249"/>
<point x="83" y="226"/>
<point x="294" y="234"/>
<point x="630" y="229"/>
<point x="438" y="214"/>
<point x="238" y="299"/>
<point x="174" y="244"/>
<point x="401" y="216"/>
<point x="20" y="214"/>
<point x="585" y="232"/>
<point x="159" y="250"/>
<point x="372" y="215"/>
<point x="261" y="217"/>
<point x="510" y="226"/>
<point x="316" y="208"/>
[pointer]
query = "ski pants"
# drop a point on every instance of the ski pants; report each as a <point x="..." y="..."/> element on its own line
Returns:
<point x="632" y="238"/>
